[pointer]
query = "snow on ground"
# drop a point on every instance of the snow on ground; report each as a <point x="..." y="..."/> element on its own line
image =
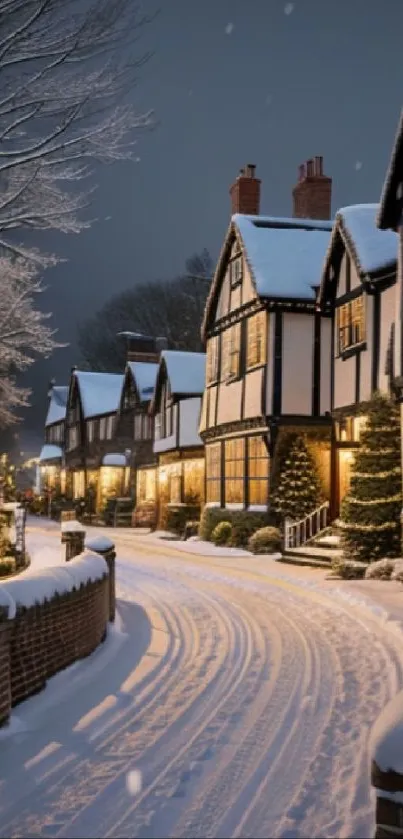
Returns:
<point x="235" y="698"/>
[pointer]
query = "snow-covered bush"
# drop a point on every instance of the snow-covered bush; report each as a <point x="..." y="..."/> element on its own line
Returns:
<point x="397" y="573"/>
<point x="191" y="529"/>
<point x="385" y="569"/>
<point x="249" y="520"/>
<point x="349" y="569"/>
<point x="7" y="566"/>
<point x="222" y="533"/>
<point x="266" y="540"/>
<point x="380" y="570"/>
<point x="177" y="517"/>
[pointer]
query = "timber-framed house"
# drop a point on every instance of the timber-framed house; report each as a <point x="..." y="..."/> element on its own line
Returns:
<point x="268" y="359"/>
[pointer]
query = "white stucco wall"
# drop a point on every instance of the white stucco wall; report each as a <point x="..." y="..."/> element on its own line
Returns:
<point x="297" y="370"/>
<point x="189" y="415"/>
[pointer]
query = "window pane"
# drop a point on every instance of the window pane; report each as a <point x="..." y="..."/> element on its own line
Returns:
<point x="234" y="453"/>
<point x="258" y="491"/>
<point x="213" y="472"/>
<point x="256" y="339"/>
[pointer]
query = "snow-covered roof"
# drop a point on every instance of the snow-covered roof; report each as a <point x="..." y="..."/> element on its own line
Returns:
<point x="50" y="452"/>
<point x="114" y="459"/>
<point x="186" y="371"/>
<point x="57" y="405"/>
<point x="375" y="249"/>
<point x="144" y="374"/>
<point x="391" y="203"/>
<point x="100" y="392"/>
<point x="285" y="256"/>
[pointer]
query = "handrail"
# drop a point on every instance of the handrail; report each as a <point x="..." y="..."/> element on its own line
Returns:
<point x="298" y="533"/>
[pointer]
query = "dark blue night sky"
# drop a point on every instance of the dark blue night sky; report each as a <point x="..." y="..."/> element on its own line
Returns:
<point x="231" y="82"/>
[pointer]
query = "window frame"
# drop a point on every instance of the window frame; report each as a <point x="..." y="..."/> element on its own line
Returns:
<point x="212" y="361"/>
<point x="213" y="473"/>
<point x="256" y="323"/>
<point x="254" y="460"/>
<point x="231" y="353"/>
<point x="235" y="463"/>
<point x="236" y="270"/>
<point x="351" y="325"/>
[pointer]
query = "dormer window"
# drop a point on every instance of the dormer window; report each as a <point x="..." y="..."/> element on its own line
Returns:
<point x="236" y="271"/>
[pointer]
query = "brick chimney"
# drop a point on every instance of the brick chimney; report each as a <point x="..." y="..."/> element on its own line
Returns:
<point x="245" y="192"/>
<point x="143" y="347"/>
<point x="312" y="195"/>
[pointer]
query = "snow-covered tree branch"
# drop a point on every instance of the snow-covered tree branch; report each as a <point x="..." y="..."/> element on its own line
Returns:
<point x="65" y="69"/>
<point x="24" y="334"/>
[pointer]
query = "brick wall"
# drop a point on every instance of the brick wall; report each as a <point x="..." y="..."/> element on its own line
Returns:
<point x="44" y="639"/>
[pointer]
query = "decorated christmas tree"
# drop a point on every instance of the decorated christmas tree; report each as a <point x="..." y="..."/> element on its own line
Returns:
<point x="298" y="490"/>
<point x="370" y="513"/>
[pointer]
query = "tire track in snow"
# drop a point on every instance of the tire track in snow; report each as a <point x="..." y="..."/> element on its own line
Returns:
<point x="78" y="793"/>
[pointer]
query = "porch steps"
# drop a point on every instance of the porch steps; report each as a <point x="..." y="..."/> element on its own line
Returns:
<point x="306" y="562"/>
<point x="317" y="555"/>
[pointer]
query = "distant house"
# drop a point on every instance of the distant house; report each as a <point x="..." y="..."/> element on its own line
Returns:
<point x="358" y="288"/>
<point x="175" y="408"/>
<point x="268" y="348"/>
<point x="135" y="426"/>
<point x="93" y="459"/>
<point x="51" y="459"/>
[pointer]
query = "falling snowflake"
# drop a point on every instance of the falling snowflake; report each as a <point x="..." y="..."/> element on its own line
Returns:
<point x="288" y="8"/>
<point x="229" y="28"/>
<point x="358" y="165"/>
<point x="134" y="782"/>
<point x="269" y="99"/>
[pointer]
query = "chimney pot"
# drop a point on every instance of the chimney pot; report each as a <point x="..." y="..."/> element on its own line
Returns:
<point x="245" y="192"/>
<point x="318" y="166"/>
<point x="312" y="195"/>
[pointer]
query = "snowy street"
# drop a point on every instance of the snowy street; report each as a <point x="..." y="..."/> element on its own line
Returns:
<point x="234" y="697"/>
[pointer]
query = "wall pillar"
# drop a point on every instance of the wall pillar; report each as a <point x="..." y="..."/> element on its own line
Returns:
<point x="73" y="536"/>
<point x="386" y="751"/>
<point x="106" y="548"/>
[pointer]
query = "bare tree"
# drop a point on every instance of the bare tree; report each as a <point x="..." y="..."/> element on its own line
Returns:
<point x="24" y="333"/>
<point x="65" y="67"/>
<point x="169" y="308"/>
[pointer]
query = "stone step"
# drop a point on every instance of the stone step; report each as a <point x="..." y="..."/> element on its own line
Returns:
<point x="327" y="542"/>
<point x="313" y="552"/>
<point x="307" y="562"/>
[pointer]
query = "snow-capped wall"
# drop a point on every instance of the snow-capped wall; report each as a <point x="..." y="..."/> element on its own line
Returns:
<point x="38" y="609"/>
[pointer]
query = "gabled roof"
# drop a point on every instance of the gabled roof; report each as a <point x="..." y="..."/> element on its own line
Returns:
<point x="373" y="251"/>
<point x="99" y="392"/>
<point x="144" y="374"/>
<point x="57" y="405"/>
<point x="391" y="204"/>
<point x="186" y="372"/>
<point x="285" y="256"/>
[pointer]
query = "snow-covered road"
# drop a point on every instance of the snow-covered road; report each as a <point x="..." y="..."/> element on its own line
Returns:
<point x="242" y="691"/>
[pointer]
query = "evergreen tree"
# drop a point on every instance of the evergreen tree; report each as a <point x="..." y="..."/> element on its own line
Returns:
<point x="298" y="490"/>
<point x="370" y="513"/>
